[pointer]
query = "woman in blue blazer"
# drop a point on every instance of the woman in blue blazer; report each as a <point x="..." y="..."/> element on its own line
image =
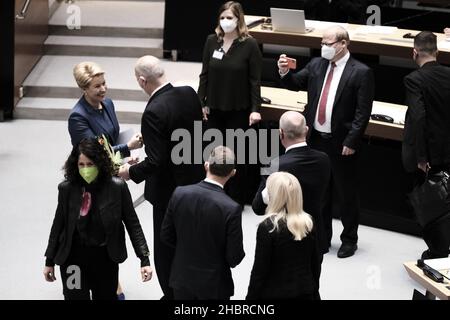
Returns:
<point x="94" y="114"/>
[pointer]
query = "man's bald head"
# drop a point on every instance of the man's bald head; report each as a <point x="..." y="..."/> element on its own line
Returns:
<point x="293" y="126"/>
<point x="150" y="68"/>
<point x="337" y="32"/>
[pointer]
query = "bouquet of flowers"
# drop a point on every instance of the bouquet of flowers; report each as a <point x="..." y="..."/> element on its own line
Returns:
<point x="115" y="157"/>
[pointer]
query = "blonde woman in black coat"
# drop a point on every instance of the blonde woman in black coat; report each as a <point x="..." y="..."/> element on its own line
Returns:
<point x="286" y="258"/>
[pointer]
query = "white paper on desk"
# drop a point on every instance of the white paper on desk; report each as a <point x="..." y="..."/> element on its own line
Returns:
<point x="438" y="264"/>
<point x="397" y="114"/>
<point x="376" y="30"/>
<point x="321" y="25"/>
<point x="444" y="45"/>
<point x="125" y="136"/>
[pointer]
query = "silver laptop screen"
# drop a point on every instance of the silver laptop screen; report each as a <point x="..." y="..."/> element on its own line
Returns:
<point x="288" y="20"/>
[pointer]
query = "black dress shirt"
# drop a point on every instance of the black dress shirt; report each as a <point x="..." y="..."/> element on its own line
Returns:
<point x="234" y="81"/>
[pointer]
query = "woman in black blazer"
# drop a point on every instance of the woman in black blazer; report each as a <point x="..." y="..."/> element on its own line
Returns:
<point x="286" y="258"/>
<point x="230" y="83"/>
<point x="87" y="237"/>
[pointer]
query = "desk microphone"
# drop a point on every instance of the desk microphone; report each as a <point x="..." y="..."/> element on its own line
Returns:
<point x="430" y="272"/>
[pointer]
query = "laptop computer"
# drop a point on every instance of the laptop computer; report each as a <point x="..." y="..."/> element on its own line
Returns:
<point x="288" y="20"/>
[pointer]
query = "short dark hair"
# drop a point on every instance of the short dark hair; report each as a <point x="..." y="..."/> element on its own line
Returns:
<point x="221" y="161"/>
<point x="425" y="42"/>
<point x="92" y="149"/>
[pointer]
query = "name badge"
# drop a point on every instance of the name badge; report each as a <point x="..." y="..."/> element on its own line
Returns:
<point x="218" y="54"/>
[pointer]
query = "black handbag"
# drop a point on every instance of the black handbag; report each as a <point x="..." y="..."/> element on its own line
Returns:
<point x="430" y="199"/>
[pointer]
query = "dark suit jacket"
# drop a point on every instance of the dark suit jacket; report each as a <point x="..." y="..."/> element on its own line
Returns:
<point x="83" y="123"/>
<point x="426" y="136"/>
<point x="170" y="108"/>
<point x="115" y="208"/>
<point x="352" y="105"/>
<point x="204" y="226"/>
<point x="312" y="169"/>
<point x="283" y="268"/>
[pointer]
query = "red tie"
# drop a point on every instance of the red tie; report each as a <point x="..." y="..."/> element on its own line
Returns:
<point x="324" y="98"/>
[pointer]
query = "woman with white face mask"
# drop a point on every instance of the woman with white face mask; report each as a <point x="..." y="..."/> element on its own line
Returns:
<point x="230" y="82"/>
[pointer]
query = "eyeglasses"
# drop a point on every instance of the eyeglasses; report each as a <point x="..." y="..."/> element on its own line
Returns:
<point x="328" y="44"/>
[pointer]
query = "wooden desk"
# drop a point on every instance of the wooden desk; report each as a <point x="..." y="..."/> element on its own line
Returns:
<point x="391" y="45"/>
<point x="284" y="100"/>
<point x="434" y="289"/>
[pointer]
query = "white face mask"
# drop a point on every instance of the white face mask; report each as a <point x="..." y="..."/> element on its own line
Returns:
<point x="228" y="25"/>
<point x="328" y="52"/>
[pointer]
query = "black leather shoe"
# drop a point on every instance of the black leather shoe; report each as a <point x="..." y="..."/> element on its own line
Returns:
<point x="347" y="250"/>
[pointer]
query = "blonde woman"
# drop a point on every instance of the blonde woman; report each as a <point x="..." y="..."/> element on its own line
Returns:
<point x="286" y="258"/>
<point x="94" y="114"/>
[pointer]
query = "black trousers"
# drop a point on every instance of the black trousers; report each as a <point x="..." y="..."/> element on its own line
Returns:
<point x="238" y="185"/>
<point x="163" y="254"/>
<point x="89" y="269"/>
<point x="342" y="199"/>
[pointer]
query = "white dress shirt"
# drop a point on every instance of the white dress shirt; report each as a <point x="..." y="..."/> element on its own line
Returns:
<point x="337" y="74"/>
<point x="264" y="193"/>
<point x="157" y="89"/>
<point x="213" y="182"/>
<point x="297" y="145"/>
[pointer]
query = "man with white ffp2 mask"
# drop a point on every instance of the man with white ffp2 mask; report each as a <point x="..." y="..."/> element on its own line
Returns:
<point x="340" y="96"/>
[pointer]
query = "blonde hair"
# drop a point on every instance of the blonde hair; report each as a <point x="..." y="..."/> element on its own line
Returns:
<point x="85" y="71"/>
<point x="286" y="204"/>
<point x="238" y="12"/>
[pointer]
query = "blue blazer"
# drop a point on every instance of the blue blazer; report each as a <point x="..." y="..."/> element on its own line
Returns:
<point x="85" y="123"/>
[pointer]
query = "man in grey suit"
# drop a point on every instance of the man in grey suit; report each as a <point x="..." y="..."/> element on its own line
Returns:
<point x="204" y="225"/>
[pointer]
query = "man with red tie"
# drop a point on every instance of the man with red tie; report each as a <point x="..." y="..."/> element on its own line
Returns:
<point x="340" y="96"/>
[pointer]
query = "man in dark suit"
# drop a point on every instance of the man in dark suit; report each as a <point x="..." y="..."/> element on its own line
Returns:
<point x="426" y="136"/>
<point x="204" y="226"/>
<point x="309" y="166"/>
<point x="169" y="108"/>
<point x="340" y="96"/>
